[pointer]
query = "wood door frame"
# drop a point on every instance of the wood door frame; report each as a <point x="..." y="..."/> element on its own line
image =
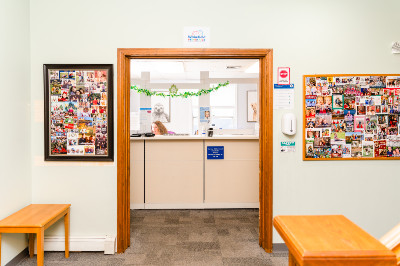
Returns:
<point x="123" y="130"/>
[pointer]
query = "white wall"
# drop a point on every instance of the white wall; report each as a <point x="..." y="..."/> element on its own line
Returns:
<point x="15" y="175"/>
<point x="309" y="36"/>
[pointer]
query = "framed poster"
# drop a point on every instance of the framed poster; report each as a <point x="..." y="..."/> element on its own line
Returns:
<point x="351" y="117"/>
<point x="160" y="109"/>
<point x="252" y="107"/>
<point x="78" y="112"/>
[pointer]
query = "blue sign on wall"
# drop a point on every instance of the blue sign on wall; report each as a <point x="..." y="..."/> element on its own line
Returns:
<point x="277" y="86"/>
<point x="215" y="152"/>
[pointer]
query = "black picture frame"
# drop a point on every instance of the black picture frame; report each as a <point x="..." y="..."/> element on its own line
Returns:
<point x="53" y="129"/>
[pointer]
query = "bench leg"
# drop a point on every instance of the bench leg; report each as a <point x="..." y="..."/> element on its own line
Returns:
<point x="0" y="248"/>
<point x="31" y="244"/>
<point x="40" y="246"/>
<point x="292" y="261"/>
<point x="66" y="227"/>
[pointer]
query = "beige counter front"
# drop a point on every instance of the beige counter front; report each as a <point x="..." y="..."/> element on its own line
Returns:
<point x="174" y="173"/>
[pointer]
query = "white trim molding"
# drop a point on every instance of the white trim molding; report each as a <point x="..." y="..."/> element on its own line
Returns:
<point x="77" y="243"/>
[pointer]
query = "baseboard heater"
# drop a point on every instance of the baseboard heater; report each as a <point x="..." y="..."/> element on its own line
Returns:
<point x="76" y="243"/>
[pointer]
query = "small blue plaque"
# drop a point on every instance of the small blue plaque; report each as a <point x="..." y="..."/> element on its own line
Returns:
<point x="215" y="152"/>
<point x="277" y="86"/>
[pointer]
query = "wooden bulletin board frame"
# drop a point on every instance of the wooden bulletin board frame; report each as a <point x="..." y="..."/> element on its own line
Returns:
<point x="386" y="88"/>
<point x="90" y="113"/>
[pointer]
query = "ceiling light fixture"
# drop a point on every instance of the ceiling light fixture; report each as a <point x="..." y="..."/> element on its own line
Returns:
<point x="233" y="67"/>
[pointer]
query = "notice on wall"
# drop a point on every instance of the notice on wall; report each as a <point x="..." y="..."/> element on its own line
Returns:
<point x="284" y="75"/>
<point x="205" y="114"/>
<point x="288" y="146"/>
<point x="215" y="152"/>
<point x="283" y="96"/>
<point x="145" y="119"/>
<point x="396" y="48"/>
<point x="196" y="37"/>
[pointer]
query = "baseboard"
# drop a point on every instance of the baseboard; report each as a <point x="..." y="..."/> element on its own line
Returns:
<point x="87" y="243"/>
<point x="163" y="206"/>
<point x="137" y="206"/>
<point x="231" y="205"/>
<point x="206" y="205"/>
<point x="17" y="259"/>
<point x="155" y="206"/>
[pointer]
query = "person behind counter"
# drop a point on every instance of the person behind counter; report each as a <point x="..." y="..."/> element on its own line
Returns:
<point x="158" y="128"/>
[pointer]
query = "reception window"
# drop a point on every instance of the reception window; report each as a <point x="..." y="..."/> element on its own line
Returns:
<point x="226" y="110"/>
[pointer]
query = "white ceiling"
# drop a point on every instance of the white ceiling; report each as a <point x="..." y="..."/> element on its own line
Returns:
<point x="165" y="70"/>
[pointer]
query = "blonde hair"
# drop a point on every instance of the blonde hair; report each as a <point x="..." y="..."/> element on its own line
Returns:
<point x="163" y="130"/>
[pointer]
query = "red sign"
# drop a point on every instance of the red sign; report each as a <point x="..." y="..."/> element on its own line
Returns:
<point x="283" y="75"/>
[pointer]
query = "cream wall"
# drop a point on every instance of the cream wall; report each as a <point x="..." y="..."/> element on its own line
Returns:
<point x="15" y="175"/>
<point x="308" y="36"/>
<point x="73" y="32"/>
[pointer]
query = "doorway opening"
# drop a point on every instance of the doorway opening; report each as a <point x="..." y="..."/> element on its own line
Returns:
<point x="265" y="128"/>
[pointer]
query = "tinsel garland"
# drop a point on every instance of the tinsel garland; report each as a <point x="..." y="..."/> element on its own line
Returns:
<point x="173" y="91"/>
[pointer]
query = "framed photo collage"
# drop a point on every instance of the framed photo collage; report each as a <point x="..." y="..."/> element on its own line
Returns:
<point x="78" y="112"/>
<point x="351" y="117"/>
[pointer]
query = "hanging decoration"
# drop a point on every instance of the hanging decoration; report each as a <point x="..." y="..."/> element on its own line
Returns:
<point x="173" y="91"/>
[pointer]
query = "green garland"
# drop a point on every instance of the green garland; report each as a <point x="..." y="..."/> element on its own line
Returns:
<point x="173" y="91"/>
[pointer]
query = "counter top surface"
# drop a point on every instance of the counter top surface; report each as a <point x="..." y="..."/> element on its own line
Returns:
<point x="195" y="137"/>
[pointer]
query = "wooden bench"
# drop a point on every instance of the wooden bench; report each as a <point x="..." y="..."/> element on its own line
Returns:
<point x="330" y="240"/>
<point x="34" y="219"/>
<point x="392" y="241"/>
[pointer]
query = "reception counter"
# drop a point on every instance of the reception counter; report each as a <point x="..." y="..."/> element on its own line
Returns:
<point x="173" y="172"/>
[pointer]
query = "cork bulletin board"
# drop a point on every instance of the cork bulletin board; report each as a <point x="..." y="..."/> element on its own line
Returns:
<point x="351" y="117"/>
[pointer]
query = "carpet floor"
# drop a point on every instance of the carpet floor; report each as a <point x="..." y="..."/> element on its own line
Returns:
<point x="183" y="237"/>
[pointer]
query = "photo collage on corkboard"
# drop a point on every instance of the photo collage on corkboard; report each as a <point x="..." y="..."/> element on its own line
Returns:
<point x="351" y="116"/>
<point x="78" y="112"/>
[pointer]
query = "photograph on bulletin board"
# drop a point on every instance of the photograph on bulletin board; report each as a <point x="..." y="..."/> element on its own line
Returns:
<point x="351" y="117"/>
<point x="78" y="112"/>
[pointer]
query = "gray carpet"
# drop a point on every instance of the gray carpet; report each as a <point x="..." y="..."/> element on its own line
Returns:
<point x="183" y="237"/>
